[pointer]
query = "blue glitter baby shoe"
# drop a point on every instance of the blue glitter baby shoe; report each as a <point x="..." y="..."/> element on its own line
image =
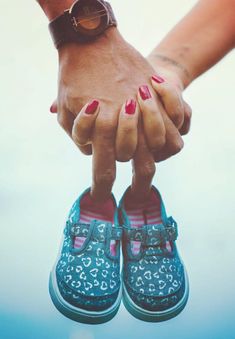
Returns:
<point x="155" y="284"/>
<point x="85" y="282"/>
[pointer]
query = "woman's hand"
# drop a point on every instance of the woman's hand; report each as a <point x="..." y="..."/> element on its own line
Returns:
<point x="170" y="93"/>
<point x="175" y="112"/>
<point x="169" y="84"/>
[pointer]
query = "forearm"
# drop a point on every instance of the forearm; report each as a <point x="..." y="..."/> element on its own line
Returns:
<point x="53" y="8"/>
<point x="199" y="40"/>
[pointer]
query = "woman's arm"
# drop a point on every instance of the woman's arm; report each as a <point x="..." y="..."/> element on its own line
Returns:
<point x="198" y="41"/>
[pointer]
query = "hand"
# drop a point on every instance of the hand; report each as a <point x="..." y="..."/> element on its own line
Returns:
<point x="143" y="162"/>
<point x="110" y="71"/>
<point x="169" y="86"/>
<point x="175" y="111"/>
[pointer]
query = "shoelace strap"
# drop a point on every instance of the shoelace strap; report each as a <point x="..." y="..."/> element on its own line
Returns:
<point x="96" y="231"/>
<point x="153" y="235"/>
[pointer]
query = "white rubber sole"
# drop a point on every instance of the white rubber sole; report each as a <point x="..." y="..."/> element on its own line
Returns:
<point x="78" y="314"/>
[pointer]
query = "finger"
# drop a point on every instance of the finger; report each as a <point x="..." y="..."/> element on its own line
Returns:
<point x="84" y="123"/>
<point x="66" y="121"/>
<point x="171" y="99"/>
<point x="126" y="140"/>
<point x="152" y="119"/>
<point x="187" y="119"/>
<point x="103" y="160"/>
<point x="174" y="142"/>
<point x="143" y="169"/>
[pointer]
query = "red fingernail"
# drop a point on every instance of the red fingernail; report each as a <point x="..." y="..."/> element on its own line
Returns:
<point x="144" y="92"/>
<point x="53" y="108"/>
<point x="130" y="106"/>
<point x="158" y="79"/>
<point x="92" y="107"/>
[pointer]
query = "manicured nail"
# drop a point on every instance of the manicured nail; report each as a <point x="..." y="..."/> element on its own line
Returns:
<point x="53" y="108"/>
<point x="130" y="106"/>
<point x="92" y="107"/>
<point x="144" y="92"/>
<point x="158" y="79"/>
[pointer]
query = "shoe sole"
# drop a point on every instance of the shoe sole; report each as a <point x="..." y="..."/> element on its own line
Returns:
<point x="78" y="314"/>
<point x="155" y="316"/>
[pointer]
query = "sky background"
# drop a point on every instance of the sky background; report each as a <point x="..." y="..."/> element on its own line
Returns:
<point x="42" y="173"/>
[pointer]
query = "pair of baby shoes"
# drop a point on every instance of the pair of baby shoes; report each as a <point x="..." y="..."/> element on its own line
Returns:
<point x="86" y="283"/>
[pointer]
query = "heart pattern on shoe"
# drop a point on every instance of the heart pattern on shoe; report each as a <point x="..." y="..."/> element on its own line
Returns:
<point x="90" y="271"/>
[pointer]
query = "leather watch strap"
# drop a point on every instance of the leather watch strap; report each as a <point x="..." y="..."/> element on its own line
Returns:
<point x="62" y="30"/>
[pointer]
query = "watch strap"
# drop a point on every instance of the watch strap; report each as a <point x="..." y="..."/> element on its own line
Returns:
<point x="62" y="29"/>
<point x="112" y="19"/>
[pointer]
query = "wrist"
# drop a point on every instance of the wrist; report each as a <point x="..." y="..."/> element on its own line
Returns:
<point x="174" y="70"/>
<point x="109" y="39"/>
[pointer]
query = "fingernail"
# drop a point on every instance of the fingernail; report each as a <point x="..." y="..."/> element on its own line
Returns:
<point x="144" y="92"/>
<point x="130" y="106"/>
<point x="53" y="108"/>
<point x="92" y="107"/>
<point x="158" y="79"/>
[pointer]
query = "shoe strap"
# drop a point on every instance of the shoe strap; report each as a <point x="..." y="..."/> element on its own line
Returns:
<point x="154" y="235"/>
<point x="97" y="231"/>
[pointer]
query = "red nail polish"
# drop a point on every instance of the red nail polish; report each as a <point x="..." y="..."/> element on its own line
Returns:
<point x="130" y="106"/>
<point x="53" y="108"/>
<point x="144" y="92"/>
<point x="92" y="107"/>
<point x="158" y="79"/>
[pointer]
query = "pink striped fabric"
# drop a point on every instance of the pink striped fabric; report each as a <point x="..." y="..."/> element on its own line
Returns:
<point x="144" y="213"/>
<point x="94" y="211"/>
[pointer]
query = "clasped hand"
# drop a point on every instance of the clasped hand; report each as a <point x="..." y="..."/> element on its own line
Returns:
<point x="119" y="79"/>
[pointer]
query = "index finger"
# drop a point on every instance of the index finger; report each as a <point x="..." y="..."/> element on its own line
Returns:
<point x="143" y="169"/>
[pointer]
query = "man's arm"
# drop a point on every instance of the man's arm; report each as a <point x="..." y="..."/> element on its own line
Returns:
<point x="198" y="41"/>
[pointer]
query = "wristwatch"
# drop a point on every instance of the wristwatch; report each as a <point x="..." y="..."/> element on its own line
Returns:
<point x="83" y="22"/>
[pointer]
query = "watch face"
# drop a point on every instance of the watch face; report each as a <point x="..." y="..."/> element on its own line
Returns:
<point x="89" y="17"/>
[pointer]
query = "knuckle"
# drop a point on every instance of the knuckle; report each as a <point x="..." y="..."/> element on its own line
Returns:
<point x="177" y="146"/>
<point x="185" y="130"/>
<point x="177" y="115"/>
<point x="147" y="170"/>
<point x="188" y="112"/>
<point x="105" y="178"/>
<point x="77" y="140"/>
<point x="163" y="89"/>
<point x="76" y="135"/>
